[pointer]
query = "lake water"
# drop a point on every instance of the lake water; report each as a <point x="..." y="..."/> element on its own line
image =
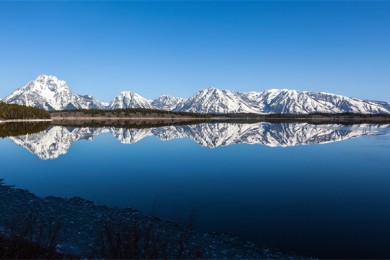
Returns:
<point x="316" y="190"/>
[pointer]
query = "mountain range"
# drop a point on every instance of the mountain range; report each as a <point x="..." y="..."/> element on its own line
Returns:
<point x="57" y="140"/>
<point x="50" y="93"/>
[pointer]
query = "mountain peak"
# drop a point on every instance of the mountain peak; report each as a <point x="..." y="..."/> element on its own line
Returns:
<point x="213" y="100"/>
<point x="50" y="93"/>
<point x="166" y="102"/>
<point x="47" y="81"/>
<point x="127" y="92"/>
<point x="210" y="89"/>
<point x="46" y="77"/>
<point x="130" y="99"/>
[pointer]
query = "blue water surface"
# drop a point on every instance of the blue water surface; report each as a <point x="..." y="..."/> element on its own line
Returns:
<point x="320" y="200"/>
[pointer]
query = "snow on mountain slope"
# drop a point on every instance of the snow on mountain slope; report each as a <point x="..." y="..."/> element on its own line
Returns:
<point x="298" y="102"/>
<point x="50" y="93"/>
<point x="165" y="102"/>
<point x="128" y="99"/>
<point x="213" y="100"/>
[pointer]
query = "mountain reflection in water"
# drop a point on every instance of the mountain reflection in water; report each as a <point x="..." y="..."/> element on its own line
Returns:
<point x="57" y="140"/>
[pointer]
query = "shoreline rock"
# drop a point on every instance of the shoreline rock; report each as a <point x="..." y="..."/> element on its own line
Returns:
<point x="79" y="227"/>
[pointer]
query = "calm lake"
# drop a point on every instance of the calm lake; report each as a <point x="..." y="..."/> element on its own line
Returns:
<point x="316" y="190"/>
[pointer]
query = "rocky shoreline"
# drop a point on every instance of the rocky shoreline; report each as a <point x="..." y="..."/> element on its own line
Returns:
<point x="80" y="228"/>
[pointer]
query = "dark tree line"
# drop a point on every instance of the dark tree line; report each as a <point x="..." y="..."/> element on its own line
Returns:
<point x="16" y="129"/>
<point x="12" y="111"/>
<point x="128" y="112"/>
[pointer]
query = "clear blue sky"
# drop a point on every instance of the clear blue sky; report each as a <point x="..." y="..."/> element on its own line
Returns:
<point x="177" y="48"/>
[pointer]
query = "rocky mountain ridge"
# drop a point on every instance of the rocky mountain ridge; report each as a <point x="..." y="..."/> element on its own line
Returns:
<point x="50" y="93"/>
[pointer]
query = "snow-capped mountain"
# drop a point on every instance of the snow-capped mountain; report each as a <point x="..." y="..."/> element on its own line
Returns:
<point x="165" y="102"/>
<point x="50" y="93"/>
<point x="303" y="102"/>
<point x="213" y="100"/>
<point x="128" y="99"/>
<point x="57" y="140"/>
